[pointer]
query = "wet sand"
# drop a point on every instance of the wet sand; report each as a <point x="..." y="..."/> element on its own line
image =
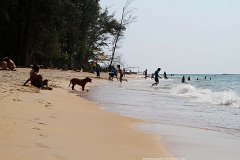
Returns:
<point x="60" y="124"/>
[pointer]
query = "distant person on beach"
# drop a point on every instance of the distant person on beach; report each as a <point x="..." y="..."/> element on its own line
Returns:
<point x="205" y="77"/>
<point x="156" y="77"/>
<point x="7" y="63"/>
<point x="37" y="80"/>
<point x="183" y="79"/>
<point x="98" y="70"/>
<point x="112" y="73"/>
<point x="165" y="75"/>
<point x="189" y="78"/>
<point x="145" y="74"/>
<point x="121" y="74"/>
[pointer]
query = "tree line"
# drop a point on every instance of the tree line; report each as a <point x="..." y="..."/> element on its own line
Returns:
<point x="55" y="33"/>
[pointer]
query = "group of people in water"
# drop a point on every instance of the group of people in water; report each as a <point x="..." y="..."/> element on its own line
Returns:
<point x="183" y="79"/>
<point x="113" y="73"/>
<point x="156" y="76"/>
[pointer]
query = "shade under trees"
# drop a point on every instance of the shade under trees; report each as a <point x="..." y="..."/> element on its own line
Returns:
<point x="55" y="33"/>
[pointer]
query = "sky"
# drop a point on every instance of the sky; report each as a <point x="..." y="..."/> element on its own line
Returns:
<point x="182" y="36"/>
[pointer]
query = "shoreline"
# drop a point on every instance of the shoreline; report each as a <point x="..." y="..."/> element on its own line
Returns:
<point x="58" y="124"/>
<point x="183" y="141"/>
<point x="195" y="143"/>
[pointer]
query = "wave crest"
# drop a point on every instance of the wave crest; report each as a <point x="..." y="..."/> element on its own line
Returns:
<point x="227" y="98"/>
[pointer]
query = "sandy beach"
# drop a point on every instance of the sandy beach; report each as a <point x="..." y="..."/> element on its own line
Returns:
<point x="62" y="125"/>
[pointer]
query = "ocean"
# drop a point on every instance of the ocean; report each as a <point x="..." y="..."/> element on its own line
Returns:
<point x="211" y="104"/>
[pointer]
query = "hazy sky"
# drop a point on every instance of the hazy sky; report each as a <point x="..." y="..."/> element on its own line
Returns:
<point x="183" y="36"/>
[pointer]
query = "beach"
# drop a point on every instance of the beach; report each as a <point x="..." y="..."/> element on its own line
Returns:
<point x="60" y="124"/>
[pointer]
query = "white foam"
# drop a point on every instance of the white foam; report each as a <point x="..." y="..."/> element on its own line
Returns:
<point x="227" y="98"/>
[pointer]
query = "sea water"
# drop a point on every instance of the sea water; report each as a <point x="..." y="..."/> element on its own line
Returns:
<point x="211" y="103"/>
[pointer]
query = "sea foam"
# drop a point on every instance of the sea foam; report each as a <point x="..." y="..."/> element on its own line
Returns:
<point x="227" y="97"/>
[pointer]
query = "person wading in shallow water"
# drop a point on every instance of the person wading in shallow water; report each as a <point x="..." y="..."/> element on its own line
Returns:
<point x="121" y="74"/>
<point x="156" y="77"/>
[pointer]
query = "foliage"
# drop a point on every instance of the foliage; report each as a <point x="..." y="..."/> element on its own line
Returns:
<point x="56" y="33"/>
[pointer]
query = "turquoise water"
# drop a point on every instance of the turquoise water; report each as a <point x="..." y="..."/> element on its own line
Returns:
<point x="207" y="104"/>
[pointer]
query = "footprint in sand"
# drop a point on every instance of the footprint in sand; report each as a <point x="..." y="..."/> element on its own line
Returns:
<point x="41" y="145"/>
<point x="42" y="123"/>
<point x="48" y="105"/>
<point x="42" y="135"/>
<point x="52" y="116"/>
<point x="36" y="128"/>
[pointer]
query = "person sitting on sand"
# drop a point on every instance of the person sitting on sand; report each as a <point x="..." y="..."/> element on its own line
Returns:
<point x="3" y="65"/>
<point x="7" y="63"/>
<point x="156" y="77"/>
<point x="37" y="80"/>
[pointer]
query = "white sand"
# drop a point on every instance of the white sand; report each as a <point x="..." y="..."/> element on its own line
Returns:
<point x="59" y="125"/>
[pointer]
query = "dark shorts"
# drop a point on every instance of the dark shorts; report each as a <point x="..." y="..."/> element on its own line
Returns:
<point x="157" y="80"/>
<point x="38" y="82"/>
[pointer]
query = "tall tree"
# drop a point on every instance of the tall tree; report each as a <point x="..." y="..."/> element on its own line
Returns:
<point x="127" y="18"/>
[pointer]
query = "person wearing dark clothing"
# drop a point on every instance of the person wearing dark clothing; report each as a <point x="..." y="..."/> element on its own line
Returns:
<point x="165" y="75"/>
<point x="145" y="74"/>
<point x="98" y="70"/>
<point x="112" y="73"/>
<point x="156" y="77"/>
<point x="183" y="79"/>
<point x="37" y="80"/>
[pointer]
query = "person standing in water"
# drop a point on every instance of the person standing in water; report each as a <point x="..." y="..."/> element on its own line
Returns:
<point x="165" y="75"/>
<point x="121" y="74"/>
<point x="156" y="77"/>
<point x="183" y="79"/>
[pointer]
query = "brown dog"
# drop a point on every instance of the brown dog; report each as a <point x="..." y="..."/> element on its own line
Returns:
<point x="80" y="82"/>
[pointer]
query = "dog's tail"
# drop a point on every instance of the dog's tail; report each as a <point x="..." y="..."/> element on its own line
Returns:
<point x="70" y="83"/>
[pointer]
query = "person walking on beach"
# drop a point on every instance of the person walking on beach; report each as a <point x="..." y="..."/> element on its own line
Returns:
<point x="189" y="78"/>
<point x="145" y="74"/>
<point x="98" y="70"/>
<point x="156" y="77"/>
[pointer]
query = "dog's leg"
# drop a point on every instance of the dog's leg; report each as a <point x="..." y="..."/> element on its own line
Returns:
<point x="83" y="87"/>
<point x="73" y="86"/>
